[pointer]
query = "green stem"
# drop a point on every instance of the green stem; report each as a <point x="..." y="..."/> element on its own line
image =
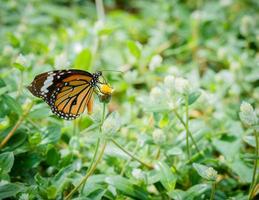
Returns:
<point x="91" y="171"/>
<point x="187" y="129"/>
<point x="213" y="189"/>
<point x="16" y="126"/>
<point x="132" y="156"/>
<point x="93" y="164"/>
<point x="100" y="10"/>
<point x="187" y="126"/>
<point x="158" y="153"/>
<point x="253" y="184"/>
<point x="128" y="161"/>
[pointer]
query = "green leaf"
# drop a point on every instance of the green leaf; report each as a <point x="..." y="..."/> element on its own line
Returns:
<point x="19" y="66"/>
<point x="134" y="48"/>
<point x="205" y="172"/>
<point x="52" y="157"/>
<point x="40" y="113"/>
<point x="83" y="60"/>
<point x="193" y="97"/>
<point x="3" y="90"/>
<point x="196" y="191"/>
<point x="51" y="192"/>
<point x="12" y="104"/>
<point x="242" y="170"/>
<point x="167" y="176"/>
<point x="52" y="135"/>
<point x="9" y="189"/>
<point x="177" y="194"/>
<point x="250" y="140"/>
<point x="61" y="178"/>
<point x="6" y="162"/>
<point x="230" y="149"/>
<point x="126" y="187"/>
<point x="192" y="193"/>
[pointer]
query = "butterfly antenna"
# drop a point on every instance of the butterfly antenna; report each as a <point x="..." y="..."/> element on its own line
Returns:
<point x="110" y="70"/>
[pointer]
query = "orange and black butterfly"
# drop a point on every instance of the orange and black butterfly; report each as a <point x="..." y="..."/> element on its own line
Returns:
<point x="67" y="92"/>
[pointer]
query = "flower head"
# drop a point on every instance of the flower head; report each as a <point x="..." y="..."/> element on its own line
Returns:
<point x="158" y="136"/>
<point x="106" y="89"/>
<point x="247" y="114"/>
<point x="182" y="85"/>
<point x="138" y="174"/>
<point x="155" y="62"/>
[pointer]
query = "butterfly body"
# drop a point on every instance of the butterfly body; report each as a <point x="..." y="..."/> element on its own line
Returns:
<point x="67" y="92"/>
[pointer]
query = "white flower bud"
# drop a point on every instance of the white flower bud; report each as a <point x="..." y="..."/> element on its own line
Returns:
<point x="246" y="108"/>
<point x="247" y="114"/>
<point x="182" y="85"/>
<point x="21" y="60"/>
<point x="211" y="174"/>
<point x="169" y="82"/>
<point x="138" y="174"/>
<point x="158" y="136"/>
<point x="112" y="124"/>
<point x="155" y="62"/>
<point x="156" y="93"/>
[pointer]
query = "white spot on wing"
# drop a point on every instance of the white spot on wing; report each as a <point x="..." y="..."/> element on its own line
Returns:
<point x="48" y="82"/>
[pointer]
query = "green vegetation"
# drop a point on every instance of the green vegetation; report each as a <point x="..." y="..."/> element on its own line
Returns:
<point x="182" y="122"/>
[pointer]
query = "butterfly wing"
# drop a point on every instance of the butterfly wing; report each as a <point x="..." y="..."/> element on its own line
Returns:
<point x="66" y="91"/>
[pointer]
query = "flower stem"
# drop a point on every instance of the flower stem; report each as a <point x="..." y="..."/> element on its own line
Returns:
<point x="93" y="164"/>
<point x="187" y="130"/>
<point x="16" y="126"/>
<point x="253" y="184"/>
<point x="91" y="171"/>
<point x="213" y="189"/>
<point x="132" y="156"/>
<point x="187" y="126"/>
<point x="100" y="10"/>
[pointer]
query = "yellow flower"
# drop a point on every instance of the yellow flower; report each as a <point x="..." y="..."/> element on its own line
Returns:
<point x="106" y="89"/>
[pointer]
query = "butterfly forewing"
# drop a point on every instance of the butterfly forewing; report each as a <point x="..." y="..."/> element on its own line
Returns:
<point x="66" y="91"/>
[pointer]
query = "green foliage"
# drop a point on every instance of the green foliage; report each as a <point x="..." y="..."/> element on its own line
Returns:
<point x="184" y="112"/>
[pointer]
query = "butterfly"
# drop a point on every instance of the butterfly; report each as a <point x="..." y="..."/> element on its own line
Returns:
<point x="68" y="92"/>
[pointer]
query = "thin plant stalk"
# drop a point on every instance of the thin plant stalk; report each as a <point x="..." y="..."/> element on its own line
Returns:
<point x="187" y="130"/>
<point x="128" y="161"/>
<point x="254" y="178"/>
<point x="97" y="142"/>
<point x="16" y="126"/>
<point x="91" y="171"/>
<point x="93" y="164"/>
<point x="132" y="156"/>
<point x="100" y="10"/>
<point x="187" y="126"/>
<point x="158" y="153"/>
<point x="213" y="189"/>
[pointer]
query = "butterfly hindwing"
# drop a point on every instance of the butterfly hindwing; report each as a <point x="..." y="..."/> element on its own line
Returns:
<point x="66" y="91"/>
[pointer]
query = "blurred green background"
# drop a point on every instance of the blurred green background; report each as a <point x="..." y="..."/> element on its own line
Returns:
<point x="211" y="47"/>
